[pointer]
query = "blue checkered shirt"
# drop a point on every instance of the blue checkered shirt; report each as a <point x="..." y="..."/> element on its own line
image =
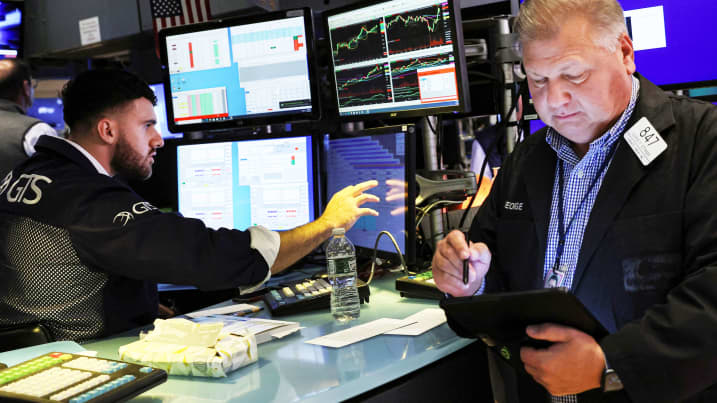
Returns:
<point x="577" y="175"/>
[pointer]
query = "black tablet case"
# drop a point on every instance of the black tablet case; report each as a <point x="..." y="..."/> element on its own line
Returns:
<point x="500" y="319"/>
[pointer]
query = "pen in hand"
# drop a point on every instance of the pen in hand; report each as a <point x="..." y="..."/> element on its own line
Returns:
<point x="465" y="263"/>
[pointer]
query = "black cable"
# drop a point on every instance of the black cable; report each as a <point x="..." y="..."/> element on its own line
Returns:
<point x="430" y="125"/>
<point x="501" y="124"/>
<point x="484" y="75"/>
<point x="439" y="146"/>
<point x="375" y="253"/>
<point x="439" y="135"/>
<point x="480" y="181"/>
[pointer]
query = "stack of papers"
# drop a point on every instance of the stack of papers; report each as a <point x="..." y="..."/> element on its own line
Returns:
<point x="236" y="309"/>
<point x="263" y="329"/>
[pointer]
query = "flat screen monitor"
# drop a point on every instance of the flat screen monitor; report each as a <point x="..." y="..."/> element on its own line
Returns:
<point x="472" y="9"/>
<point x="161" y="111"/>
<point x="238" y="184"/>
<point x="674" y="40"/>
<point x="386" y="155"/>
<point x="238" y="72"/>
<point x="50" y="111"/>
<point x="11" y="29"/>
<point x="398" y="58"/>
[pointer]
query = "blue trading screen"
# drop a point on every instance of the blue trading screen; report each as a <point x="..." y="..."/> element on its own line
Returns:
<point x="256" y="69"/>
<point x="49" y="110"/>
<point x="381" y="157"/>
<point x="394" y="56"/>
<point x="10" y="29"/>
<point x="238" y="184"/>
<point x="674" y="40"/>
<point x="161" y="111"/>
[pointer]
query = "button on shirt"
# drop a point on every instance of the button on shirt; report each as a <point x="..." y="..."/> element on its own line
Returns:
<point x="577" y="176"/>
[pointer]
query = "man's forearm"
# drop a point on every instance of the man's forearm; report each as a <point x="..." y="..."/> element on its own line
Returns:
<point x="298" y="242"/>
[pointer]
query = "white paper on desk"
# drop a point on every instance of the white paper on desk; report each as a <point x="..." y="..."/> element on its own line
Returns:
<point x="425" y="320"/>
<point x="263" y="329"/>
<point x="240" y="325"/>
<point x="357" y="333"/>
<point x="223" y="310"/>
<point x="281" y="335"/>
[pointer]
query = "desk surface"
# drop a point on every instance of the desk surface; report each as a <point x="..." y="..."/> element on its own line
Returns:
<point x="291" y="370"/>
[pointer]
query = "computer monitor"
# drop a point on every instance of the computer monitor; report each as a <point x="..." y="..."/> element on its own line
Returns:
<point x="473" y="9"/>
<point x="11" y="29"/>
<point x="238" y="184"/>
<point x="239" y="72"/>
<point x="49" y="110"/>
<point x="387" y="155"/>
<point x="674" y="41"/>
<point x="161" y="111"/>
<point x="397" y="58"/>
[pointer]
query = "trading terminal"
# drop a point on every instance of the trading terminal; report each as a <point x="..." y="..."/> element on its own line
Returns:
<point x="267" y="109"/>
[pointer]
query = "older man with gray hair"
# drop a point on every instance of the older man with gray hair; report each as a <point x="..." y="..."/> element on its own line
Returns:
<point x="619" y="193"/>
<point x="18" y="132"/>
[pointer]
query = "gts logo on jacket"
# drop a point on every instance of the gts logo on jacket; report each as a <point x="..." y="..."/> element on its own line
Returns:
<point x="123" y="217"/>
<point x="17" y="192"/>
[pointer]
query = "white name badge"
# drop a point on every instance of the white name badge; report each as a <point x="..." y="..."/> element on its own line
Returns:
<point x="645" y="141"/>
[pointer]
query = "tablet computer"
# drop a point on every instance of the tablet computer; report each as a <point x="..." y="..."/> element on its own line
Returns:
<point x="500" y="319"/>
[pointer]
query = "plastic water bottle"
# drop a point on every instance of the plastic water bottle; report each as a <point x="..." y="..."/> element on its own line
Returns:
<point x="341" y="262"/>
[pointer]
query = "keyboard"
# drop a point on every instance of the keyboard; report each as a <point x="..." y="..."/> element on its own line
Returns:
<point x="305" y="295"/>
<point x="419" y="286"/>
<point x="72" y="378"/>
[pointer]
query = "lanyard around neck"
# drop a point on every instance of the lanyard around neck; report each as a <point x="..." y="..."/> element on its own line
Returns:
<point x="558" y="274"/>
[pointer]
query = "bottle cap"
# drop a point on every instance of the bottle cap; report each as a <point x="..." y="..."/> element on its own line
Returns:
<point x="338" y="231"/>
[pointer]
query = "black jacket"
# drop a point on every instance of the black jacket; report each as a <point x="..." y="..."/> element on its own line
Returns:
<point x="81" y="252"/>
<point x="647" y="268"/>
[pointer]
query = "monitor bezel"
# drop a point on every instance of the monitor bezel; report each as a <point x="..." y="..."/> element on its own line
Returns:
<point x="247" y="120"/>
<point x="409" y="130"/>
<point x="459" y="57"/>
<point x="164" y="90"/>
<point x="688" y="85"/>
<point x="315" y="158"/>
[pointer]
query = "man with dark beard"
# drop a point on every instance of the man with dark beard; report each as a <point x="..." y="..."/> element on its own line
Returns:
<point x="81" y="252"/>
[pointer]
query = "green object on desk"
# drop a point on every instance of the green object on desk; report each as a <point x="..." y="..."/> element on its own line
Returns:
<point x="290" y="370"/>
<point x="14" y="357"/>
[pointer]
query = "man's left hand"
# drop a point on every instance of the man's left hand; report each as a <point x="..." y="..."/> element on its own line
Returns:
<point x="574" y="364"/>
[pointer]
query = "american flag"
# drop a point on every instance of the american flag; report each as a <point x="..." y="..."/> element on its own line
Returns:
<point x="172" y="13"/>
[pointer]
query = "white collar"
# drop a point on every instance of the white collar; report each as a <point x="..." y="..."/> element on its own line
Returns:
<point x="100" y="169"/>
